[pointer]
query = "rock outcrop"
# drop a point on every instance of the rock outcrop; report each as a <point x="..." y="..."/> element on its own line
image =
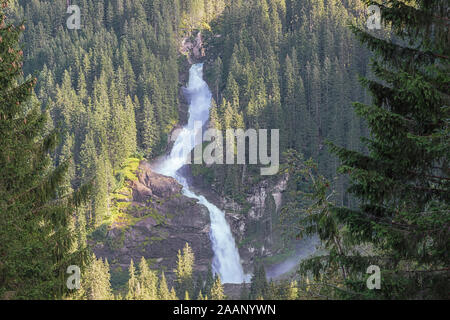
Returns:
<point x="158" y="221"/>
<point x="257" y="230"/>
<point x="193" y="48"/>
<point x="255" y="227"/>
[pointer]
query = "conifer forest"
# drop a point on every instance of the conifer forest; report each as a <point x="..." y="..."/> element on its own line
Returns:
<point x="224" y="150"/>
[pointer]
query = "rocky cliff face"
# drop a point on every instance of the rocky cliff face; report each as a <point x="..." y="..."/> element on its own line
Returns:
<point x="157" y="222"/>
<point x="193" y="48"/>
<point x="256" y="229"/>
<point x="256" y="232"/>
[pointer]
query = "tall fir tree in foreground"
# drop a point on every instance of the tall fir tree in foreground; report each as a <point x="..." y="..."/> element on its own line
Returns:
<point x="402" y="221"/>
<point x="35" y="213"/>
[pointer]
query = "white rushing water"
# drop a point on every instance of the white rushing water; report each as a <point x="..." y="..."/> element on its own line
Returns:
<point x="226" y="260"/>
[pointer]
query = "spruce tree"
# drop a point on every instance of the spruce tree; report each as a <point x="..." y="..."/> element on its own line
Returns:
<point x="259" y="285"/>
<point x="209" y="281"/>
<point x="402" y="184"/>
<point x="200" y="296"/>
<point x="149" y="130"/>
<point x="185" y="264"/>
<point x="134" y="288"/>
<point x="95" y="281"/>
<point x="148" y="281"/>
<point x="217" y="290"/>
<point x="35" y="213"/>
<point x="173" y="294"/>
<point x="199" y="284"/>
<point x="163" y="290"/>
<point x="292" y="291"/>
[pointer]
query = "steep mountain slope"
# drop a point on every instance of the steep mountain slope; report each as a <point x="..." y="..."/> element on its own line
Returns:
<point x="113" y="87"/>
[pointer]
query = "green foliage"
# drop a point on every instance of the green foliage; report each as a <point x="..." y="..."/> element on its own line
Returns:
<point x="259" y="286"/>
<point x="37" y="209"/>
<point x="95" y="283"/>
<point x="288" y="65"/>
<point x="184" y="271"/>
<point x="209" y="282"/>
<point x="283" y="290"/>
<point x="217" y="290"/>
<point x="163" y="290"/>
<point x="309" y="213"/>
<point x="113" y="88"/>
<point x="148" y="281"/>
<point x="402" y="218"/>
<point x="128" y="171"/>
<point x="403" y="183"/>
<point x="134" y="287"/>
<point x="291" y="65"/>
<point x="100" y="233"/>
<point x="119" y="279"/>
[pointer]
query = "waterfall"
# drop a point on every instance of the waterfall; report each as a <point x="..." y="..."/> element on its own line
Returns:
<point x="226" y="261"/>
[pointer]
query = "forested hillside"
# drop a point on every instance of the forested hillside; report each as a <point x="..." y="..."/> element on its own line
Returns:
<point x="84" y="113"/>
<point x="288" y="65"/>
<point x="293" y="66"/>
<point x="112" y="87"/>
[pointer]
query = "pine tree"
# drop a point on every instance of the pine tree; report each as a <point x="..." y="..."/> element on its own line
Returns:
<point x="173" y="294"/>
<point x="198" y="286"/>
<point x="209" y="281"/>
<point x="148" y="131"/>
<point x="403" y="183"/>
<point x="101" y="196"/>
<point x="217" y="290"/>
<point x="289" y="104"/>
<point x="273" y="291"/>
<point x="95" y="281"/>
<point x="148" y="281"/>
<point x="163" y="292"/>
<point x="134" y="287"/>
<point x="185" y="264"/>
<point x="130" y="143"/>
<point x="292" y="291"/>
<point x="34" y="225"/>
<point x="200" y="296"/>
<point x="259" y="285"/>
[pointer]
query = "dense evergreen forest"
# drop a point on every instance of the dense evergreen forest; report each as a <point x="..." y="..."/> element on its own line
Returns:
<point x="289" y="65"/>
<point x="364" y="139"/>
